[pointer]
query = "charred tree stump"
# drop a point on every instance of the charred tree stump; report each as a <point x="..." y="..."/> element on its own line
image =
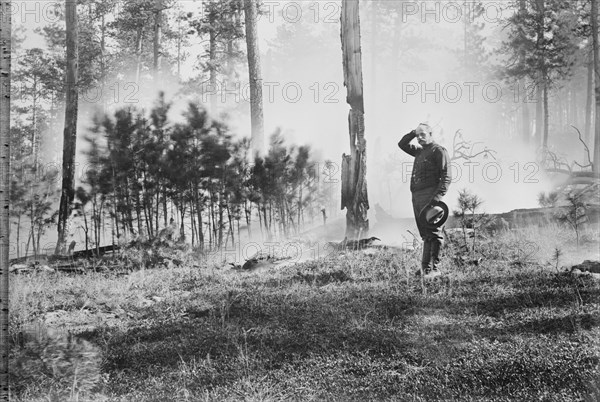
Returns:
<point x="354" y="166"/>
<point x="70" y="130"/>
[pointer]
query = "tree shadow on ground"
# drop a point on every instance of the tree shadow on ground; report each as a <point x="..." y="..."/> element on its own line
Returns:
<point x="279" y="329"/>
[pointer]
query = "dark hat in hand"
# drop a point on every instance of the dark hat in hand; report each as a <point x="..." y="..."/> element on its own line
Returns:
<point x="434" y="214"/>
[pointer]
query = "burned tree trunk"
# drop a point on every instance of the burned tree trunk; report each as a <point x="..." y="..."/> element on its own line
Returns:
<point x="70" y="131"/>
<point x="354" y="166"/>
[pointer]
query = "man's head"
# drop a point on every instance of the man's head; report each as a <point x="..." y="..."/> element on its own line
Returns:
<point x="423" y="133"/>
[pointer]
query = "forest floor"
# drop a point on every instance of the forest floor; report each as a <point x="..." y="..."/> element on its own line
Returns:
<point x="349" y="326"/>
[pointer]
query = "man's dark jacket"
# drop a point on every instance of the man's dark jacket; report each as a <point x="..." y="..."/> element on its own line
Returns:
<point x="431" y="169"/>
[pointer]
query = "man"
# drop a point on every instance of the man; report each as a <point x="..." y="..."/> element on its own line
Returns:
<point x="429" y="183"/>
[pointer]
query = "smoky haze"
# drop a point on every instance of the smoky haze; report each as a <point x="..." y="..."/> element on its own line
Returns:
<point x="414" y="70"/>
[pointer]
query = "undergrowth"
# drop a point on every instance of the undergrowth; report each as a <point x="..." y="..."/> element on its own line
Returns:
<point x="350" y="326"/>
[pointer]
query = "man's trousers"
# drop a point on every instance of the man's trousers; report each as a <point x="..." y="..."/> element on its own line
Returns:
<point x="432" y="237"/>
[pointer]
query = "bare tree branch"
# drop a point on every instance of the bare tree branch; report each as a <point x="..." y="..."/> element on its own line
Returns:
<point x="462" y="149"/>
<point x="587" y="150"/>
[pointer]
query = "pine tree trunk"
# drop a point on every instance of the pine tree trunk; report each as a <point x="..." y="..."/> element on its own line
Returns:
<point x="5" y="85"/>
<point x="200" y="229"/>
<point x="103" y="69"/>
<point x="588" y="103"/>
<point x="560" y="107"/>
<point x="182" y="214"/>
<point x="18" y="231"/>
<point x="192" y="223"/>
<point x="138" y="51"/>
<point x="157" y="58"/>
<point x="212" y="64"/>
<point x="546" y="116"/>
<point x="354" y="184"/>
<point x="85" y="228"/>
<point x="266" y="224"/>
<point x="248" y="213"/>
<point x="220" y="200"/>
<point x="260" y="224"/>
<point x="375" y="61"/>
<point x="525" y="134"/>
<point x="597" y="86"/>
<point x="539" y="114"/>
<point x="540" y="84"/>
<point x="179" y="40"/>
<point x="230" y="221"/>
<point x="29" y="237"/>
<point x="300" y="212"/>
<point x="573" y="115"/>
<point x="138" y="211"/>
<point x="164" y="203"/>
<point x="156" y="207"/>
<point x="34" y="135"/>
<point x="115" y="201"/>
<point x="70" y="130"/>
<point x="255" y="77"/>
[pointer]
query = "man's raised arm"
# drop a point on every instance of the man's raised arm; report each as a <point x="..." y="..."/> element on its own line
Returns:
<point x="405" y="145"/>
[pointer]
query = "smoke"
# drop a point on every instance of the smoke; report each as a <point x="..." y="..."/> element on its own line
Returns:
<point x="412" y="73"/>
<point x="412" y="77"/>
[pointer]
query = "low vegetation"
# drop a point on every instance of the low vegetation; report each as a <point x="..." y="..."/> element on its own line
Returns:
<point x="349" y="326"/>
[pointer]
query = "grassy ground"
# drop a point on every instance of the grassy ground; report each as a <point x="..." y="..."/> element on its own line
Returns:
<point x="347" y="327"/>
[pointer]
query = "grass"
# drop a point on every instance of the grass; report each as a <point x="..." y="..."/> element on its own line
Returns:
<point x="343" y="328"/>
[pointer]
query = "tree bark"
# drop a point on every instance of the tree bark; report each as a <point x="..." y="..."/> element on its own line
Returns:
<point x="70" y="131"/>
<point x="138" y="51"/>
<point x="539" y="114"/>
<point x="540" y="84"/>
<point x="596" y="167"/>
<point x="103" y="66"/>
<point x="5" y="65"/>
<point x="546" y="115"/>
<point x="374" y="62"/>
<point x="255" y="77"/>
<point x="354" y="166"/>
<point x="212" y="60"/>
<point x="526" y="134"/>
<point x="588" y="102"/>
<point x="157" y="59"/>
<point x="573" y="109"/>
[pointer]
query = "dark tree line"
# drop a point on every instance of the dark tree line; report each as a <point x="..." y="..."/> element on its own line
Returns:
<point x="145" y="173"/>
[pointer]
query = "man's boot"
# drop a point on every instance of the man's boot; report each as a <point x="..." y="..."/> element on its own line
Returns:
<point x="435" y="258"/>
<point x="425" y="259"/>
